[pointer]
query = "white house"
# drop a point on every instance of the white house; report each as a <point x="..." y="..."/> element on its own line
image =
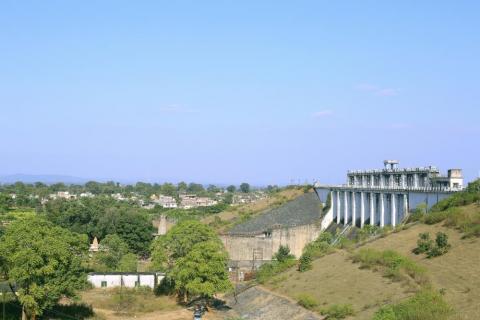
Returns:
<point x="125" y="279"/>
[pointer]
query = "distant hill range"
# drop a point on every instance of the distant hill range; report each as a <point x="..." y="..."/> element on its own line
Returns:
<point x="45" y="178"/>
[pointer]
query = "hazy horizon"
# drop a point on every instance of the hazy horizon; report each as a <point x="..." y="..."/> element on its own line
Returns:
<point x="225" y="92"/>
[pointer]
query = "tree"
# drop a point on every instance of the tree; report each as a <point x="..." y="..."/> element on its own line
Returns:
<point x="169" y="189"/>
<point x="245" y="187"/>
<point x="130" y="225"/>
<point x="195" y="188"/>
<point x="44" y="261"/>
<point x="182" y="187"/>
<point x="128" y="263"/>
<point x="283" y="254"/>
<point x="179" y="241"/>
<point x="212" y="188"/>
<point x="5" y="202"/>
<point x="231" y="188"/>
<point x="112" y="251"/>
<point x="203" y="271"/>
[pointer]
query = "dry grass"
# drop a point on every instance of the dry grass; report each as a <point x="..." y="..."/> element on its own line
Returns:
<point x="146" y="307"/>
<point x="334" y="279"/>
<point x="129" y="301"/>
<point x="458" y="271"/>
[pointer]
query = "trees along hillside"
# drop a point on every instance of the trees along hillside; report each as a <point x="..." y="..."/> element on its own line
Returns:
<point x="101" y="216"/>
<point x="202" y="272"/>
<point x="194" y="257"/>
<point x="114" y="255"/>
<point x="129" y="224"/>
<point x="44" y="261"/>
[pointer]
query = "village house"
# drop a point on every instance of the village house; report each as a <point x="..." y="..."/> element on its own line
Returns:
<point x="164" y="201"/>
<point x="63" y="195"/>
<point x="188" y="201"/>
<point x="86" y="195"/>
<point x="243" y="198"/>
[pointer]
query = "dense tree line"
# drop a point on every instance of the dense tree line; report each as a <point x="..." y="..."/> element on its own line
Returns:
<point x="42" y="190"/>
<point x="102" y="216"/>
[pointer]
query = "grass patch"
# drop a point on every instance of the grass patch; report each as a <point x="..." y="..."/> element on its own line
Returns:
<point x="334" y="311"/>
<point x="394" y="265"/>
<point x="269" y="270"/>
<point x="128" y="301"/>
<point x="314" y="250"/>
<point x="307" y="301"/>
<point x="424" y="305"/>
<point x="337" y="311"/>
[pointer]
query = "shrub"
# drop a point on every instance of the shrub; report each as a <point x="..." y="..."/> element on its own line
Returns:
<point x="442" y="240"/>
<point x="283" y="254"/>
<point x="165" y="287"/>
<point x="385" y="313"/>
<point x="435" y="217"/>
<point x="307" y="301"/>
<point x="368" y="231"/>
<point x="338" y="311"/>
<point x="269" y="270"/>
<point x="305" y="262"/>
<point x="441" y="246"/>
<point x="424" y="243"/>
<point x="425" y="305"/>
<point x="315" y="249"/>
<point x="394" y="265"/>
<point x="325" y="237"/>
<point x="472" y="231"/>
<point x="284" y="261"/>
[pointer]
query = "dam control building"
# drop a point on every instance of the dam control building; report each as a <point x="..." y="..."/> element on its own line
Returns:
<point x="385" y="196"/>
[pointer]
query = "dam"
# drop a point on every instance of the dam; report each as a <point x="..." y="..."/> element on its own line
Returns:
<point x="384" y="197"/>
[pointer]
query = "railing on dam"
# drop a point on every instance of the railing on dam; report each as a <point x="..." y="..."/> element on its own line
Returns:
<point x="387" y="188"/>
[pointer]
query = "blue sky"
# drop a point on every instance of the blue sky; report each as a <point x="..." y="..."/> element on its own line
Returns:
<point x="232" y="91"/>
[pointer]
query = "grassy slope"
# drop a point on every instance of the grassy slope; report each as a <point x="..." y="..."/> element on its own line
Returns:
<point x="334" y="279"/>
<point x="234" y="213"/>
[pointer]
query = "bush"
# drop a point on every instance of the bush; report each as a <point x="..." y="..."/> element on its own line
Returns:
<point x="338" y="311"/>
<point x="425" y="305"/>
<point x="424" y="243"/>
<point x="284" y="260"/>
<point x="315" y="249"/>
<point x="307" y="301"/>
<point x="283" y="254"/>
<point x="385" y="313"/>
<point x="305" y="262"/>
<point x="395" y="265"/>
<point x="269" y="270"/>
<point x="435" y="217"/>
<point x="165" y="287"/>
<point x="442" y="240"/>
<point x="472" y="231"/>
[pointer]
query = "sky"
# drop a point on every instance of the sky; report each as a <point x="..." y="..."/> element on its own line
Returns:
<point x="266" y="92"/>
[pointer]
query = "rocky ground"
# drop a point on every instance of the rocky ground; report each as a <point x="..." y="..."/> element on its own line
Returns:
<point x="257" y="303"/>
